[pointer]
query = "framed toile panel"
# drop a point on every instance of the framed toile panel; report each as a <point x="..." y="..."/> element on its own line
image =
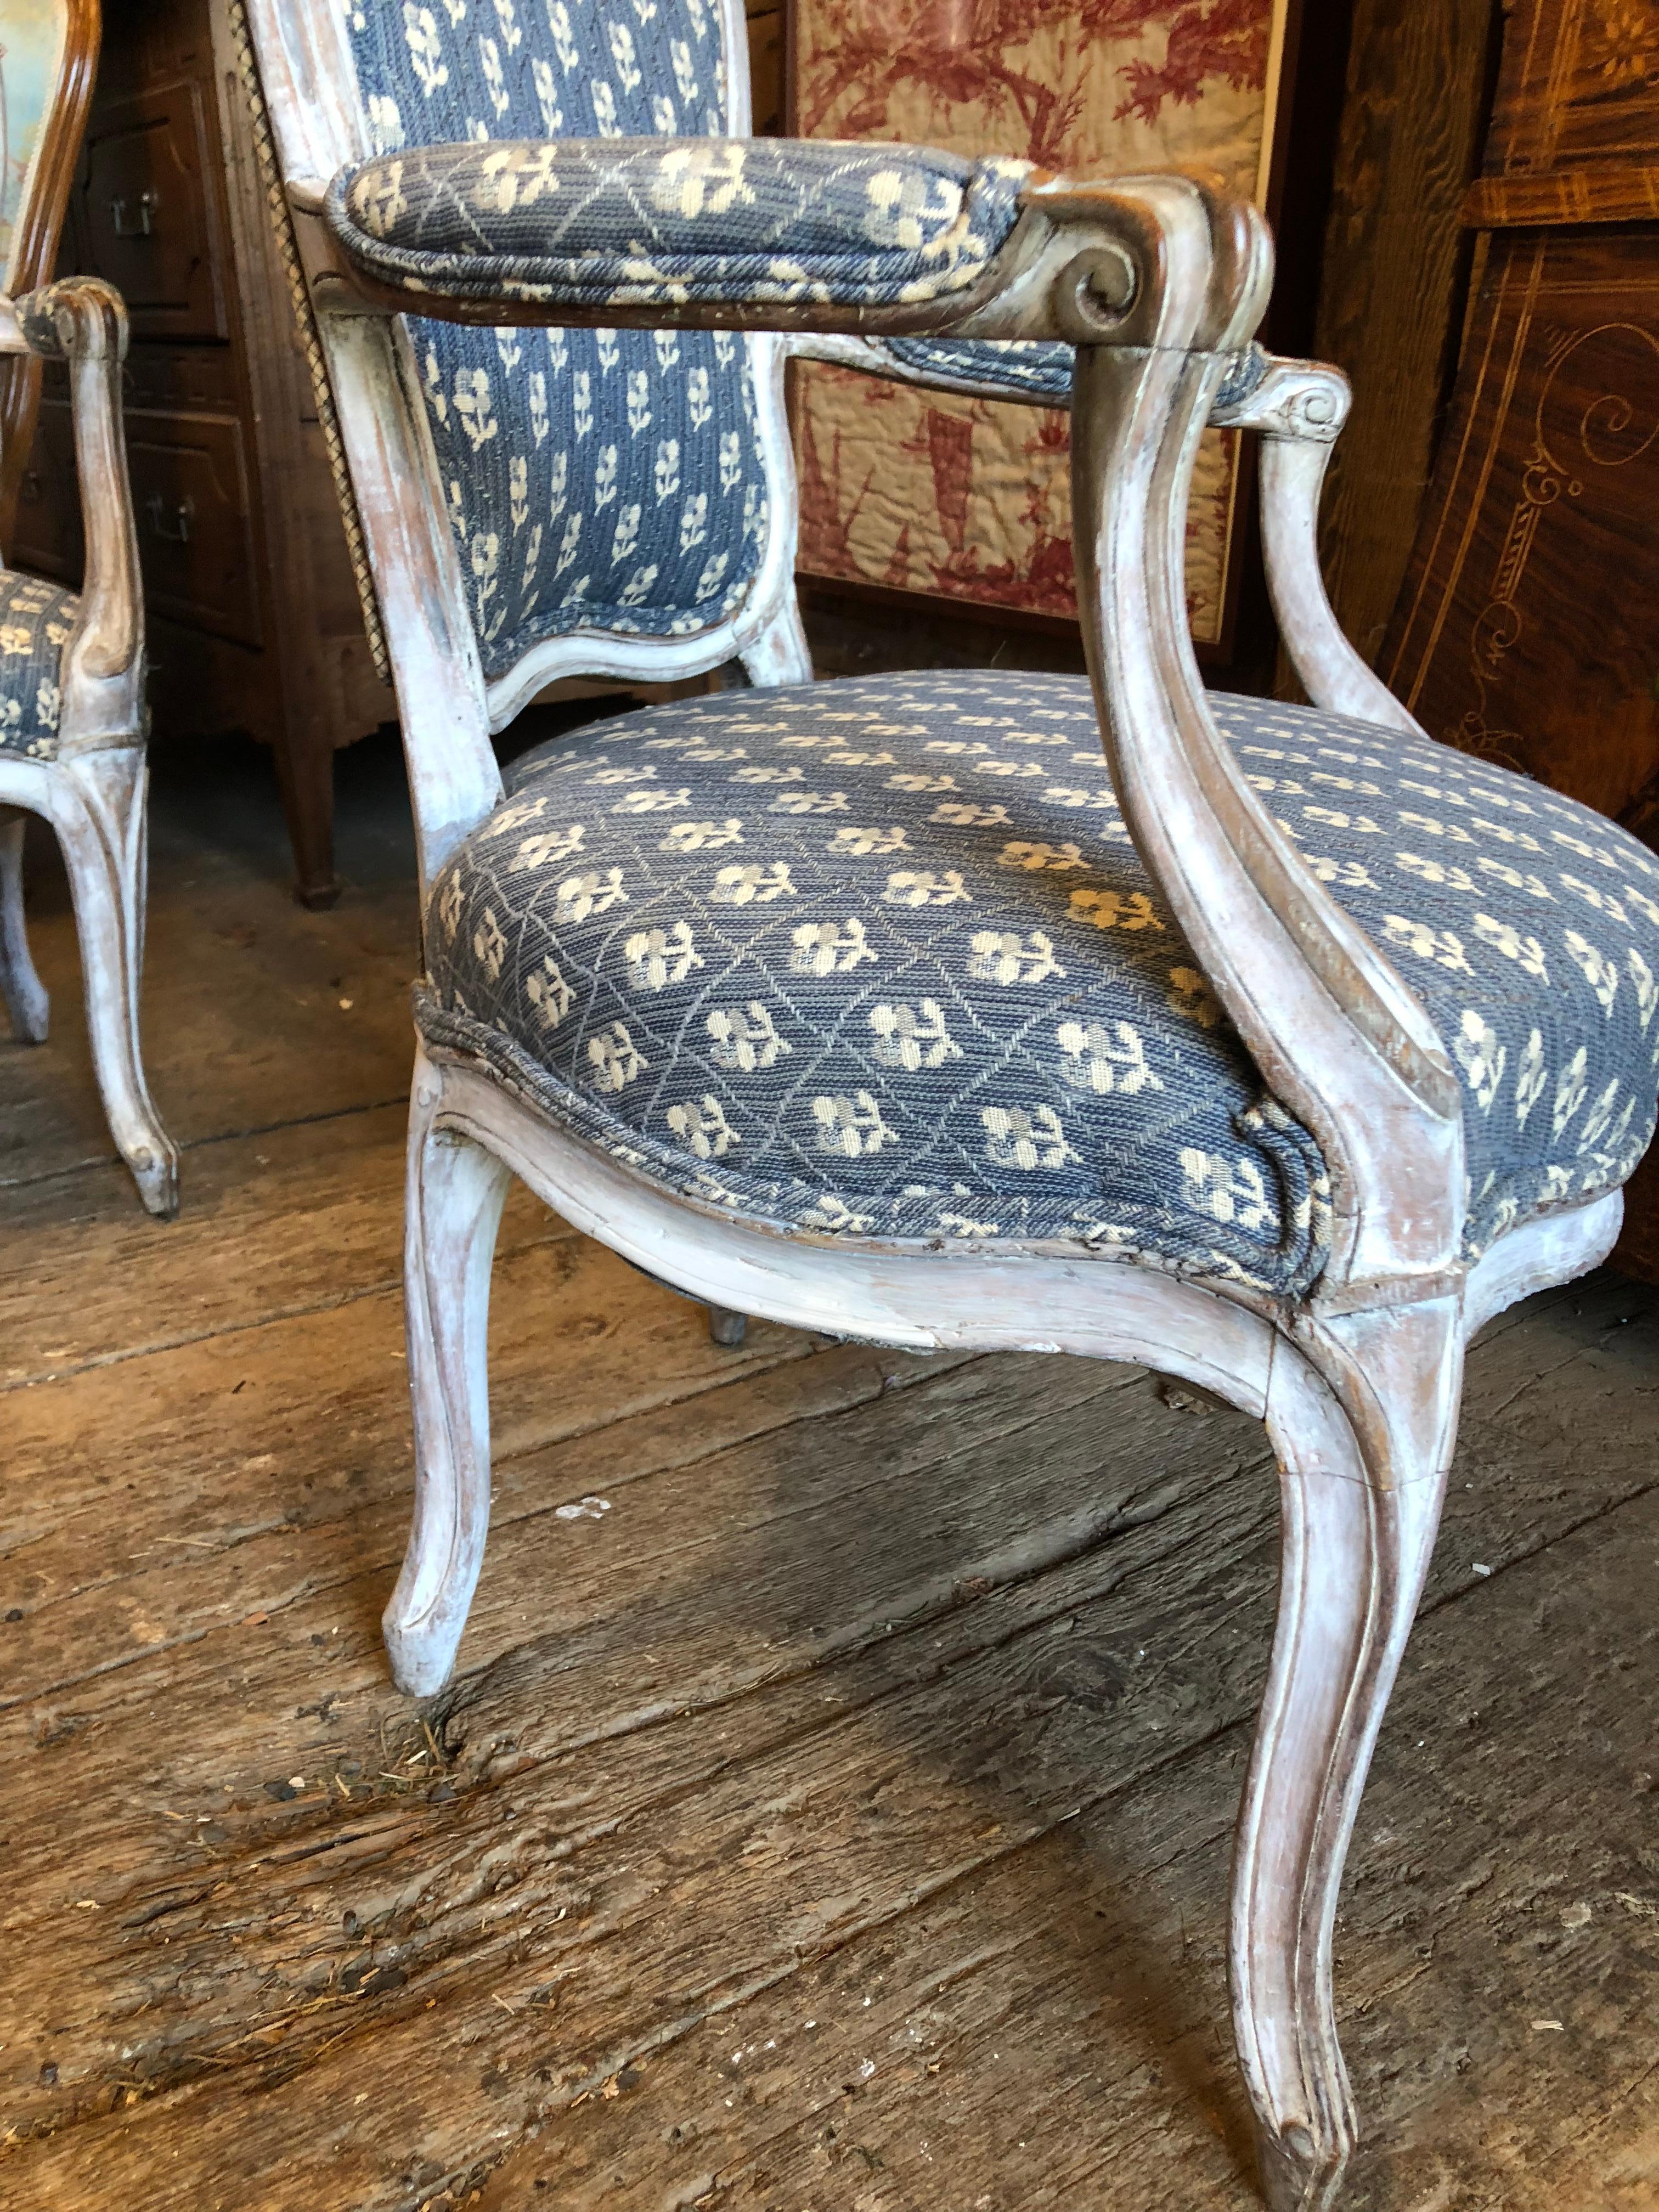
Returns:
<point x="925" y="491"/>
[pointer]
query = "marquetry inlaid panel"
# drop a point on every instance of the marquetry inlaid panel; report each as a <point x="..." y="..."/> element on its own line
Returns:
<point x="1529" y="628"/>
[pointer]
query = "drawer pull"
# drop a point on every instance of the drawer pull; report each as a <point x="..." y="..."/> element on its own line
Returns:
<point x="29" y="490"/>
<point x="176" y="532"/>
<point x="147" y="205"/>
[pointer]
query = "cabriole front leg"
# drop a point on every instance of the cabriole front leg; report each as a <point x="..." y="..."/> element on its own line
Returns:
<point x="456" y="1191"/>
<point x="1363" y="1476"/>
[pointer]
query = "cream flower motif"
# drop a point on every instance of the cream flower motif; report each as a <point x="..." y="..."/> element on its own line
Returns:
<point x="657" y="957"/>
<point x="738" y="884"/>
<point x="1570" y="1090"/>
<point x="706" y="179"/>
<point x="1101" y="1062"/>
<point x="489" y="945"/>
<point x="911" y="1038"/>
<point x="830" y="948"/>
<point x="1643" y="983"/>
<point x="614" y="1057"/>
<point x="703" y="1129"/>
<point x="1018" y="1139"/>
<point x="549" y="993"/>
<point x="1599" y="971"/>
<point x="923" y="887"/>
<point x="744" y="1039"/>
<point x="425" y="47"/>
<point x="1480" y="1056"/>
<point x="1504" y="938"/>
<point x="1228" y="1190"/>
<point x="1111" y="909"/>
<point x="1190" y="996"/>
<point x="852" y="1126"/>
<point x="1530" y="1078"/>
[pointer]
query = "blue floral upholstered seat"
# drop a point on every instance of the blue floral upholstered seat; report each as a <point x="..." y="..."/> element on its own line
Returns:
<point x="878" y="956"/>
<point x="36" y="619"/>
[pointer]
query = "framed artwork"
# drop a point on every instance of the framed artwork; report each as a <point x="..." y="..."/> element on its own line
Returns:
<point x="31" y="33"/>
<point x="927" y="492"/>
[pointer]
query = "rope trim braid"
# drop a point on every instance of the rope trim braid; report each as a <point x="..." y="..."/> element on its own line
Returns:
<point x="310" y="339"/>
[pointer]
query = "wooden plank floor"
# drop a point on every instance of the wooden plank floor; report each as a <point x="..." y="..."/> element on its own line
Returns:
<point x="831" y="1810"/>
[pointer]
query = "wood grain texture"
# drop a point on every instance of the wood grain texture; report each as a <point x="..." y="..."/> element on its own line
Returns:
<point x="1576" y="86"/>
<point x="1525" y="627"/>
<point x="1524" y="631"/>
<point x="1590" y="195"/>
<point x="1393" y="269"/>
<point x="833" y="1809"/>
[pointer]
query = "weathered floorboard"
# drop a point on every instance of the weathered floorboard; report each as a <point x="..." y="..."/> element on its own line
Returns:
<point x="831" y="1811"/>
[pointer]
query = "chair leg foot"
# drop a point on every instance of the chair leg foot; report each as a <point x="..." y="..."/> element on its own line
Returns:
<point x="1295" y="2177"/>
<point x="99" y="808"/>
<point x="1363" y="1425"/>
<point x="726" y="1328"/>
<point x="21" y="991"/>
<point x="453" y="1203"/>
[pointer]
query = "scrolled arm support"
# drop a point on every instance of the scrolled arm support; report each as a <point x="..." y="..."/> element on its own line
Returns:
<point x="82" y="321"/>
<point x="1298" y="408"/>
<point x="1337" y="1034"/>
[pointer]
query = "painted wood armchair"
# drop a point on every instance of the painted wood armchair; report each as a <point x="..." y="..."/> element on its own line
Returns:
<point x="1277" y="1048"/>
<point x="73" y="722"/>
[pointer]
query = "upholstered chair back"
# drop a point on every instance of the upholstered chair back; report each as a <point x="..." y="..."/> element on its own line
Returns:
<point x="596" y="481"/>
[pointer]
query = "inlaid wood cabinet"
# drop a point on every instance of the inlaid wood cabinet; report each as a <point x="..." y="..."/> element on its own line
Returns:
<point x="1527" y="629"/>
<point x="254" y="620"/>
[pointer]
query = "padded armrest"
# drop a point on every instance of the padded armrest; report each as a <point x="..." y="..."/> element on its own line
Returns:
<point x="640" y="221"/>
<point x="1036" y="370"/>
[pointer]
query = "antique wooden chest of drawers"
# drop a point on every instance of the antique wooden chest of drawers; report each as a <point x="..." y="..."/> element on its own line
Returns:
<point x="254" y="618"/>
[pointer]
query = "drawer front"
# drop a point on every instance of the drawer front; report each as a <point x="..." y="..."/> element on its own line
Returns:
<point x="46" y="535"/>
<point x="145" y="218"/>
<point x="190" y="493"/>
<point x="191" y="379"/>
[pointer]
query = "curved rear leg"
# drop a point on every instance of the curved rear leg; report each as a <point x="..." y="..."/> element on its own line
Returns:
<point x="21" y="991"/>
<point x="452" y="1209"/>
<point x="1363" y="1431"/>
<point x="726" y="1327"/>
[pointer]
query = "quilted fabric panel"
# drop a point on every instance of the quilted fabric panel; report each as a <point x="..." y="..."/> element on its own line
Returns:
<point x="878" y="956"/>
<point x="595" y="480"/>
<point x="36" y="618"/>
<point x="639" y="223"/>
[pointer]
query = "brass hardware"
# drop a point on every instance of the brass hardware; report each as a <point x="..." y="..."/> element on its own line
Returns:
<point x="183" y="514"/>
<point x="147" y="204"/>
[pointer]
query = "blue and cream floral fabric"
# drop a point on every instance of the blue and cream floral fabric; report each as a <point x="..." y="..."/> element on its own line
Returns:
<point x="878" y="957"/>
<point x="36" y="618"/>
<point x="643" y="222"/>
<point x="1037" y="369"/>
<point x="596" y="479"/>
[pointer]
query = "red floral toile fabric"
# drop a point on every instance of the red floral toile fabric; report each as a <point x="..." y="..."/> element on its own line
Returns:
<point x="970" y="498"/>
